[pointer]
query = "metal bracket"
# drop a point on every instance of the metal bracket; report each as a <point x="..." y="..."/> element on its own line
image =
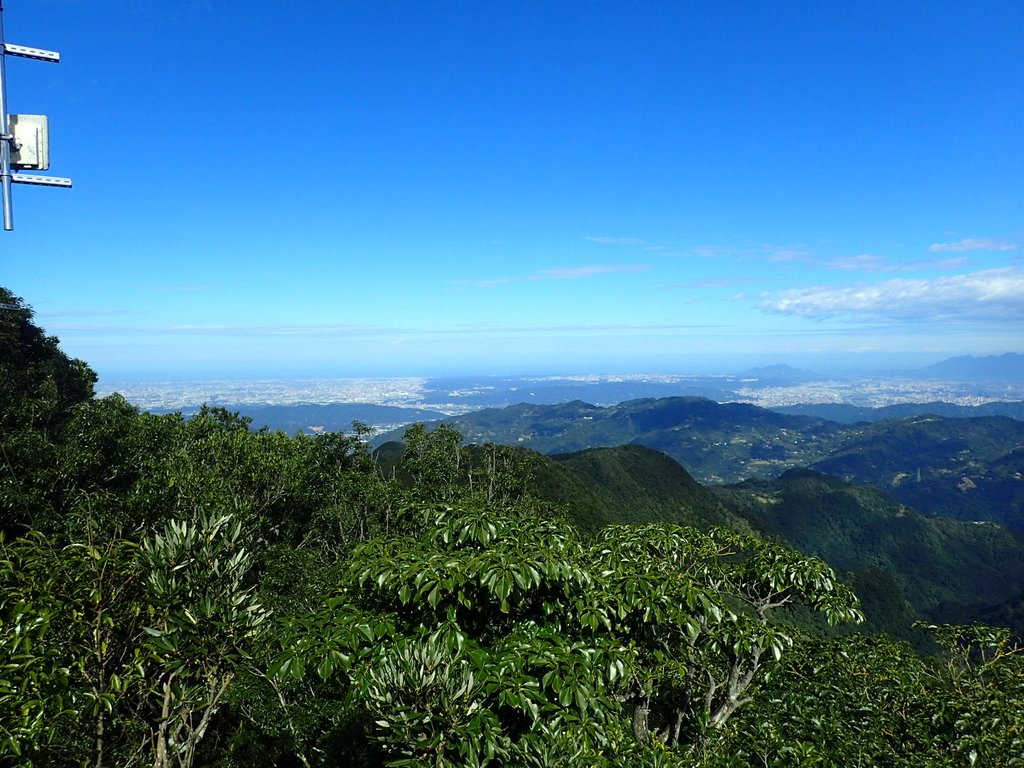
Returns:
<point x="40" y="181"/>
<point x="8" y="142"/>
<point x="25" y="52"/>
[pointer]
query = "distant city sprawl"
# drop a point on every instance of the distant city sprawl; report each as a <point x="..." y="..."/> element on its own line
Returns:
<point x="453" y="396"/>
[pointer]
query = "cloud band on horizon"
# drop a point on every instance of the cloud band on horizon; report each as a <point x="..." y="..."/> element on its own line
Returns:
<point x="973" y="244"/>
<point x="995" y="295"/>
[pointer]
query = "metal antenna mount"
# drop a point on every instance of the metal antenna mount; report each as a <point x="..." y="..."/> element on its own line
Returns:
<point x="24" y="139"/>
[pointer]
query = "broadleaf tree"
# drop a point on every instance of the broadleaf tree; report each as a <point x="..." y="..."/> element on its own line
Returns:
<point x="496" y="631"/>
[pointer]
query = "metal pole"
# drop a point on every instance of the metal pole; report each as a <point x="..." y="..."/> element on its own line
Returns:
<point x="5" y="141"/>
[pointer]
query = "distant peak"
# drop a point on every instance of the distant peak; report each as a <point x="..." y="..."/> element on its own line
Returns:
<point x="1006" y="366"/>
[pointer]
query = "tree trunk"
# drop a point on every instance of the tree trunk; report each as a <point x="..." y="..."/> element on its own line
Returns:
<point x="641" y="732"/>
<point x="162" y="758"/>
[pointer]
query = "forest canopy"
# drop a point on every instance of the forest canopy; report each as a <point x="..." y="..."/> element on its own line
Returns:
<point x="187" y="592"/>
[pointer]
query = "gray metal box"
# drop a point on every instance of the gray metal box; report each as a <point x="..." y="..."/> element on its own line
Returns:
<point x="31" y="149"/>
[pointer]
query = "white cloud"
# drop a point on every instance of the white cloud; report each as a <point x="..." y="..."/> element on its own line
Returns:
<point x="344" y="331"/>
<point x="715" y="283"/>
<point x="954" y="262"/>
<point x="716" y="251"/>
<point x="198" y="329"/>
<point x="574" y="273"/>
<point x="559" y="273"/>
<point x="617" y="240"/>
<point x="64" y="313"/>
<point x="990" y="295"/>
<point x="788" y="255"/>
<point x="486" y="283"/>
<point x="183" y="288"/>
<point x="869" y="262"/>
<point x="973" y="244"/>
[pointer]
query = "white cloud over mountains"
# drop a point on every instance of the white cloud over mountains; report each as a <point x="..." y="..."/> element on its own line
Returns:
<point x="995" y="295"/>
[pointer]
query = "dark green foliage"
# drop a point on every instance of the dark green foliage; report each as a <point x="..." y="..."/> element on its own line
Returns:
<point x="435" y="465"/>
<point x="867" y="701"/>
<point x="845" y="413"/>
<point x="968" y="469"/>
<point x="963" y="468"/>
<point x="35" y="682"/>
<point x="886" y="608"/>
<point x="491" y="634"/>
<point x="1009" y="613"/>
<point x="641" y="485"/>
<point x="592" y="488"/>
<point x="39" y="384"/>
<point x="847" y="701"/>
<point x="716" y="442"/>
<point x="40" y="388"/>
<point x="583" y="504"/>
<point x="318" y="418"/>
<point x="945" y="570"/>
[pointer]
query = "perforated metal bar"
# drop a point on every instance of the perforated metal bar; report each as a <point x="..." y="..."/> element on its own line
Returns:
<point x="40" y="181"/>
<point x="25" y="52"/>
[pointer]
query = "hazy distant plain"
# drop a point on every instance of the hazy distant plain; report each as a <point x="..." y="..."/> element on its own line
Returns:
<point x="459" y="395"/>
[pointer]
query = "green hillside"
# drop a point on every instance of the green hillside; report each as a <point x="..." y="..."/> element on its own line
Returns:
<point x="903" y="565"/>
<point x="640" y="485"/>
<point x="606" y="486"/>
<point x="1009" y="613"/>
<point x="946" y="570"/>
<point x="715" y="442"/>
<point x="314" y="418"/>
<point x="969" y="469"/>
<point x="851" y="414"/>
<point x="965" y="468"/>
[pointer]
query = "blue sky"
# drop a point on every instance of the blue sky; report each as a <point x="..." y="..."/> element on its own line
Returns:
<point x="413" y="188"/>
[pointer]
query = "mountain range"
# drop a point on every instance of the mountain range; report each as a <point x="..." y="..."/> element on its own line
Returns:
<point x="902" y="563"/>
<point x="311" y="418"/>
<point x="845" y="413"/>
<point x="1007" y="367"/>
<point x="965" y="468"/>
<point x="905" y="566"/>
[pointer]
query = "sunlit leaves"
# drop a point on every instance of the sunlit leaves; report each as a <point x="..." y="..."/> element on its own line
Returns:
<point x="872" y="701"/>
<point x="511" y="623"/>
<point x="205" y="619"/>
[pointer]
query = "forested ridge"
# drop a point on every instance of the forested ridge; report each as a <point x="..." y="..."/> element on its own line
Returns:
<point x="193" y="592"/>
<point x="963" y="467"/>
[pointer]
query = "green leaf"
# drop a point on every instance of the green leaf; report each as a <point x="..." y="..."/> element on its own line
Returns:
<point x="325" y="668"/>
